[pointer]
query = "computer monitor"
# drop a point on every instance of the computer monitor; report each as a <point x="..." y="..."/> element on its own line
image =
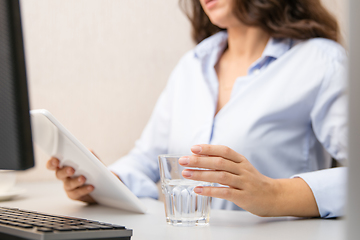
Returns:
<point x="353" y="201"/>
<point x="16" y="150"/>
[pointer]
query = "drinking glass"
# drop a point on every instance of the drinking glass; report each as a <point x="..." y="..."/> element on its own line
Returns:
<point x="183" y="207"/>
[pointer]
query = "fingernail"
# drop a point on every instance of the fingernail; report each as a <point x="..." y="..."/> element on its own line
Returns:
<point x="184" y="160"/>
<point x="90" y="188"/>
<point x="81" y="179"/>
<point x="70" y="171"/>
<point x="187" y="173"/>
<point x="196" y="149"/>
<point x="198" y="190"/>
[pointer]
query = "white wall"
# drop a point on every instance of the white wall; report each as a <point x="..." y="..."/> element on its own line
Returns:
<point x="339" y="8"/>
<point x="99" y="66"/>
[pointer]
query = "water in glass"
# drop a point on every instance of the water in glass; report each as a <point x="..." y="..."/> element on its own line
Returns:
<point x="183" y="206"/>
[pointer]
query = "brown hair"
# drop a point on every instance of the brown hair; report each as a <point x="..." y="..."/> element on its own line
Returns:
<point x="298" y="19"/>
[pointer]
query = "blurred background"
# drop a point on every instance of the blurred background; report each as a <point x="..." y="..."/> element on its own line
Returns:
<point x="99" y="66"/>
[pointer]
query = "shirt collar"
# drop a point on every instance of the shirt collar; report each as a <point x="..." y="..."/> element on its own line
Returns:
<point x="216" y="42"/>
<point x="275" y="48"/>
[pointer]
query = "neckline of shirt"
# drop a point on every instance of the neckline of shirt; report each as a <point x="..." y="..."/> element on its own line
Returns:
<point x="216" y="44"/>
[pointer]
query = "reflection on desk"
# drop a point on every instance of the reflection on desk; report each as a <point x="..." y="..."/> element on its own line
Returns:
<point x="49" y="197"/>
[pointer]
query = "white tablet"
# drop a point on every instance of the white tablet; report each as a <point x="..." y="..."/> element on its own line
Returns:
<point x="55" y="140"/>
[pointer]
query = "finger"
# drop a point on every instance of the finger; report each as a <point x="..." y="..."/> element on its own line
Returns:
<point x="52" y="164"/>
<point x="116" y="175"/>
<point x="227" y="193"/>
<point x="216" y="163"/>
<point x="80" y="193"/>
<point x="65" y="172"/>
<point x="217" y="150"/>
<point x="222" y="177"/>
<point x="94" y="153"/>
<point x="87" y="198"/>
<point x="73" y="183"/>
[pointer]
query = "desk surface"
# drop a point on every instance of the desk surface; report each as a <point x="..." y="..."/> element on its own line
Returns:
<point x="49" y="197"/>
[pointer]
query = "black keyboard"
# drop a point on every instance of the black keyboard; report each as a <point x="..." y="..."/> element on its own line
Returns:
<point x="22" y="224"/>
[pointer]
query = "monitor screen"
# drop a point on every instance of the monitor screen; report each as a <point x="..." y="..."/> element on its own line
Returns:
<point x="15" y="133"/>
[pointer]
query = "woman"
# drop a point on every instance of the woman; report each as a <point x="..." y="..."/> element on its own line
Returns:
<point x="260" y="102"/>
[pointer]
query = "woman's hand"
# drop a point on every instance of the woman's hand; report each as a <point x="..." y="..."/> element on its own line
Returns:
<point x="75" y="187"/>
<point x="248" y="188"/>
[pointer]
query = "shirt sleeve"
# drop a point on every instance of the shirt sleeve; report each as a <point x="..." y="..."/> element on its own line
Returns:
<point x="329" y="189"/>
<point x="329" y="122"/>
<point x="139" y="169"/>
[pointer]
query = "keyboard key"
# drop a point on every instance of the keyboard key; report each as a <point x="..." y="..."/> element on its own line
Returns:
<point x="91" y="227"/>
<point x="43" y="229"/>
<point x="118" y="227"/>
<point x="24" y="225"/>
<point x="77" y="228"/>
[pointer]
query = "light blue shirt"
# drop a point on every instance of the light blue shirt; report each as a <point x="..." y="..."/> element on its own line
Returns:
<point x="287" y="117"/>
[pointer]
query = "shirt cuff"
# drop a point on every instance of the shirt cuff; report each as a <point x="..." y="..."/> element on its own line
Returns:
<point x="329" y="189"/>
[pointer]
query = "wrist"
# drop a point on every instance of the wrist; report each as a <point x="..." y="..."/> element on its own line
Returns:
<point x="276" y="190"/>
<point x="293" y="197"/>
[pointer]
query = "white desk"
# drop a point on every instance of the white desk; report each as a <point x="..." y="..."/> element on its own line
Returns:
<point x="49" y="197"/>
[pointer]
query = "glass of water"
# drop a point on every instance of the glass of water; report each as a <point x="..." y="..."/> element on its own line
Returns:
<point x="183" y="207"/>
